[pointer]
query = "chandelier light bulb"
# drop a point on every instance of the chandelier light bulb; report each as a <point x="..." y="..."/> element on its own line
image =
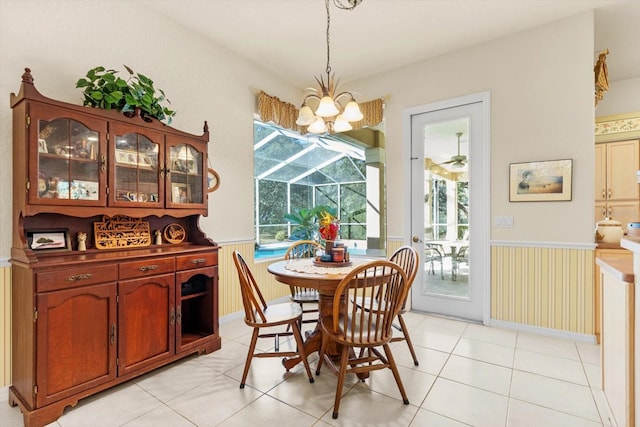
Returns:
<point x="341" y="125"/>
<point x="318" y="126"/>
<point x="305" y="116"/>
<point x="327" y="107"/>
<point x="352" y="112"/>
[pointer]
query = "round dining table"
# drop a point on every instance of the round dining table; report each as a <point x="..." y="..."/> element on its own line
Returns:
<point x="325" y="279"/>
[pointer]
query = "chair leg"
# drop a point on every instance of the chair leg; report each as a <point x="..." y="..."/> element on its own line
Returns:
<point x="407" y="338"/>
<point x="323" y="346"/>
<point x="344" y="360"/>
<point x="298" y="336"/>
<point x="252" y="348"/>
<point x="396" y="374"/>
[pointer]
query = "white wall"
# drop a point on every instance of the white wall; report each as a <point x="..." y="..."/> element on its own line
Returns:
<point x="623" y="96"/>
<point x="541" y="84"/>
<point x="61" y="40"/>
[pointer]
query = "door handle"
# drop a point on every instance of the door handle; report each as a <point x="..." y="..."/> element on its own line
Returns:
<point x="416" y="239"/>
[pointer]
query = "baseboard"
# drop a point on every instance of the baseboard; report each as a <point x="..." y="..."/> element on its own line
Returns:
<point x="555" y="333"/>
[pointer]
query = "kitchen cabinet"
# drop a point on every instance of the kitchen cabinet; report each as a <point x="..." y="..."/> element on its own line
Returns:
<point x="616" y="189"/>
<point x="618" y="335"/>
<point x="85" y="320"/>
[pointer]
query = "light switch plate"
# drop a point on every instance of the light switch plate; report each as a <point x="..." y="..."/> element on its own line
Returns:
<point x="504" y="221"/>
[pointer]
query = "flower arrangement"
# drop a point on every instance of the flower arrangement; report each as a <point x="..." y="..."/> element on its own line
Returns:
<point x="329" y="225"/>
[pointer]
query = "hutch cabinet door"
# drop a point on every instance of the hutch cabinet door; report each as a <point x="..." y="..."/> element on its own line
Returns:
<point x="136" y="158"/>
<point x="187" y="175"/>
<point x="197" y="305"/>
<point x="146" y="318"/>
<point x="76" y="341"/>
<point x="66" y="151"/>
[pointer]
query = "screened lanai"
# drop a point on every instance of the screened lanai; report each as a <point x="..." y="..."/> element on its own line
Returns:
<point x="294" y="171"/>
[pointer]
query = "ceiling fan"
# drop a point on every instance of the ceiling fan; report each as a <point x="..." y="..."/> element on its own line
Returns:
<point x="457" y="161"/>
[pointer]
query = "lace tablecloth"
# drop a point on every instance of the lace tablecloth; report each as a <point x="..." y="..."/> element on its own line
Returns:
<point x="306" y="265"/>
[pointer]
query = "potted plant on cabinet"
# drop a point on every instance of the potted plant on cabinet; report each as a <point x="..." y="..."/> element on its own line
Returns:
<point x="103" y="89"/>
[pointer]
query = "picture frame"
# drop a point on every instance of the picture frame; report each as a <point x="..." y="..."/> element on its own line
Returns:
<point x="49" y="239"/>
<point x="541" y="181"/>
<point x="42" y="146"/>
<point x="180" y="193"/>
<point x="121" y="157"/>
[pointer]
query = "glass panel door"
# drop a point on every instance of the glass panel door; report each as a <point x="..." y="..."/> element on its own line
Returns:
<point x="70" y="163"/>
<point x="136" y="179"/>
<point x="186" y="165"/>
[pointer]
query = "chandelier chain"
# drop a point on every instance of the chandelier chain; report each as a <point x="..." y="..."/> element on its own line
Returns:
<point x="326" y="3"/>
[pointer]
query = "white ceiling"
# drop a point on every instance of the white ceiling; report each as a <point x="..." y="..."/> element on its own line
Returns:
<point x="287" y="37"/>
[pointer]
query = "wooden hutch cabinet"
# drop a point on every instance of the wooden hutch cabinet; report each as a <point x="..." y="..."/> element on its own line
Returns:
<point x="84" y="320"/>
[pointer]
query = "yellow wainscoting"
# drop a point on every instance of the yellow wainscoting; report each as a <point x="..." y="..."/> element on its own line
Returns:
<point x="229" y="288"/>
<point x="5" y="326"/>
<point x="544" y="287"/>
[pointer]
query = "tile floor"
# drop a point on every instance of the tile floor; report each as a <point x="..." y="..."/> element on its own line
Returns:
<point x="469" y="375"/>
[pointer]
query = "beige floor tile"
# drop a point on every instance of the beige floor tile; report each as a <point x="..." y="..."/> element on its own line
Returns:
<point x="430" y="361"/>
<point x="550" y="366"/>
<point x="467" y="404"/>
<point x="314" y="399"/>
<point x="427" y="418"/>
<point x="100" y="410"/>
<point x="267" y="411"/>
<point x="555" y="394"/>
<point x="176" y="379"/>
<point x="548" y="345"/>
<point x="416" y="384"/>
<point x="485" y="352"/>
<point x="523" y="414"/>
<point x="485" y="376"/>
<point x="594" y="375"/>
<point x="213" y="401"/>
<point x="162" y="416"/>
<point x="603" y="408"/>
<point x="497" y="336"/>
<point x="589" y="353"/>
<point x="266" y="373"/>
<point x="231" y="355"/>
<point x="433" y="340"/>
<point x="363" y="407"/>
<point x="443" y="325"/>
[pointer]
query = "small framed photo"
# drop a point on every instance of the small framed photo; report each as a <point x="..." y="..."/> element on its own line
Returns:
<point x="542" y="181"/>
<point x="42" y="146"/>
<point x="121" y="157"/>
<point x="179" y="165"/>
<point x="192" y="167"/>
<point x="55" y="239"/>
<point x="180" y="193"/>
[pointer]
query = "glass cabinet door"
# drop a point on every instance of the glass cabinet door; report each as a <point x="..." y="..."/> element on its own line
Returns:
<point x="136" y="177"/>
<point x="186" y="176"/>
<point x="69" y="158"/>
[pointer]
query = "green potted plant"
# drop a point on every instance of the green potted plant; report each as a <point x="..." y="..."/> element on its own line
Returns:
<point x="103" y="89"/>
<point x="308" y="221"/>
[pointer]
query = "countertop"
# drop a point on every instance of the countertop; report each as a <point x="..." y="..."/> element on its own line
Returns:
<point x="618" y="266"/>
<point x="631" y="243"/>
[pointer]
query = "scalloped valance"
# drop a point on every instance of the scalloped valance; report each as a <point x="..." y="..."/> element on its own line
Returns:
<point x="284" y="114"/>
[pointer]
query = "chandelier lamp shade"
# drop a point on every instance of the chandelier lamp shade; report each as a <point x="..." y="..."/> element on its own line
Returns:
<point x="330" y="114"/>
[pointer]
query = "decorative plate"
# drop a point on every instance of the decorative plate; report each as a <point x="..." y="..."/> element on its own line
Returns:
<point x="174" y="233"/>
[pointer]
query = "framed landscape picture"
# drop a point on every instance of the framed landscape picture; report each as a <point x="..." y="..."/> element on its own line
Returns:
<point x="57" y="239"/>
<point x="542" y="181"/>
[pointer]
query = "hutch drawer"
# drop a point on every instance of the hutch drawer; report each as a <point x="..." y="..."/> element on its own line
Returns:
<point x="74" y="277"/>
<point x="188" y="262"/>
<point x="147" y="267"/>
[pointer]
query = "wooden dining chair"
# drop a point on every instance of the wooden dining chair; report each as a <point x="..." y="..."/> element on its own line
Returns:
<point x="257" y="314"/>
<point x="369" y="328"/>
<point x="407" y="258"/>
<point x="304" y="249"/>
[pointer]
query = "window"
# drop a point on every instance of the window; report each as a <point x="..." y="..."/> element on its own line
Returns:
<point x="293" y="171"/>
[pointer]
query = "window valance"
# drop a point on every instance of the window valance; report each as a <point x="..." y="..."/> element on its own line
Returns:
<point x="284" y="114"/>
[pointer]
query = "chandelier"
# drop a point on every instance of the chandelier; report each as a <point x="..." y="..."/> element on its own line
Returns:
<point x="329" y="116"/>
